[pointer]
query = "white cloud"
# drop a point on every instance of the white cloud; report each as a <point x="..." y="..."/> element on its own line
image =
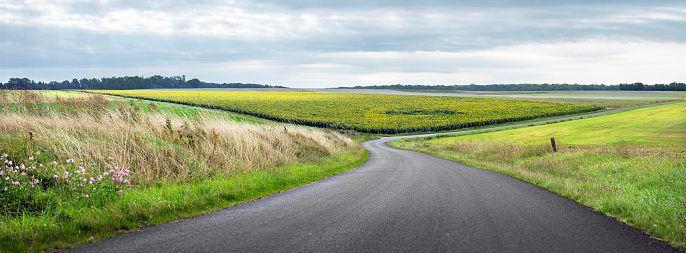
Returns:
<point x="309" y="46"/>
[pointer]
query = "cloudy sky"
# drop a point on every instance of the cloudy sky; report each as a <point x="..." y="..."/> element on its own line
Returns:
<point x="321" y="43"/>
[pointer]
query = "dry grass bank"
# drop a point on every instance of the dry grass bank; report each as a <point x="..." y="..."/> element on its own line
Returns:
<point x="156" y="145"/>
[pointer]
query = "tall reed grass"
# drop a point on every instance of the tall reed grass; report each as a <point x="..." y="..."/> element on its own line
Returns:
<point x="157" y="146"/>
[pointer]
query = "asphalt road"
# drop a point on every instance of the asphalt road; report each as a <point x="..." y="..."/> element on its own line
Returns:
<point x="398" y="201"/>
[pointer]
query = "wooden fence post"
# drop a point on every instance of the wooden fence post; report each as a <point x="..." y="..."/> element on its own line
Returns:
<point x="552" y="141"/>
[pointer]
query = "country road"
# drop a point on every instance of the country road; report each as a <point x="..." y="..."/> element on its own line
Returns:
<point x="398" y="201"/>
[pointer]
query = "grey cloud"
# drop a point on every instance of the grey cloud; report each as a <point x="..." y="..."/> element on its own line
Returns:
<point x="343" y="26"/>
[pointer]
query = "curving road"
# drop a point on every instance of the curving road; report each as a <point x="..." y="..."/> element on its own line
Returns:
<point x="398" y="201"/>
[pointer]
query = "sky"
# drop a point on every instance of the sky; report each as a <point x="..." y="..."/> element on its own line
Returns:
<point x="322" y="43"/>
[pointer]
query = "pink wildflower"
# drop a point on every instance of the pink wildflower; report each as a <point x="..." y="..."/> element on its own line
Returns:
<point x="56" y="177"/>
<point x="30" y="157"/>
<point x="5" y="188"/>
<point x="120" y="191"/>
<point x="109" y="157"/>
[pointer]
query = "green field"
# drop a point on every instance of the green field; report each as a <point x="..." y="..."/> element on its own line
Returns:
<point x="659" y="125"/>
<point x="630" y="165"/>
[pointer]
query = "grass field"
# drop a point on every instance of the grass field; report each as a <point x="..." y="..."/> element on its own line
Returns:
<point x="630" y="165"/>
<point x="83" y="168"/>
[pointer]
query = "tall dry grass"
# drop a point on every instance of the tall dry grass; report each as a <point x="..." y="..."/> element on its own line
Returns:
<point x="157" y="146"/>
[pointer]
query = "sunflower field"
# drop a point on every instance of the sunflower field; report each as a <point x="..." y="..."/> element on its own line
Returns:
<point x="372" y="113"/>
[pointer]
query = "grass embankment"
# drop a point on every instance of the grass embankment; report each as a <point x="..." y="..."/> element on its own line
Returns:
<point x="85" y="168"/>
<point x="629" y="165"/>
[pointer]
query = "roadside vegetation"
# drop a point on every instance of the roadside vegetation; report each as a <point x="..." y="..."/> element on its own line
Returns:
<point x="77" y="168"/>
<point x="629" y="165"/>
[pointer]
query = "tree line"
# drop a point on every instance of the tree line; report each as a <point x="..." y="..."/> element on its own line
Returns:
<point x="124" y="83"/>
<point x="530" y="87"/>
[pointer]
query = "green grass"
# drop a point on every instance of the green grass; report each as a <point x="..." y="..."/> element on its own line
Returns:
<point x="629" y="165"/>
<point x="657" y="125"/>
<point x="191" y="111"/>
<point x="160" y="204"/>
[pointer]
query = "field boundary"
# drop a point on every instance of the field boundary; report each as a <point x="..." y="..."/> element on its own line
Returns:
<point x="388" y="139"/>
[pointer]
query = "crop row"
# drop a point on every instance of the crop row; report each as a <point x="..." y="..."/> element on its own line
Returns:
<point x="371" y="113"/>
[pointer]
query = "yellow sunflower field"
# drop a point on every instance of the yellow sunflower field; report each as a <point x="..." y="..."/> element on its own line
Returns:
<point x="372" y="113"/>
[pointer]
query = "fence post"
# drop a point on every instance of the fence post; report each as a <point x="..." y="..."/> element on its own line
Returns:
<point x="552" y="141"/>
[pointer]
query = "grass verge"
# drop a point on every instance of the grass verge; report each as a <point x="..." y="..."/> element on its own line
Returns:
<point x="629" y="165"/>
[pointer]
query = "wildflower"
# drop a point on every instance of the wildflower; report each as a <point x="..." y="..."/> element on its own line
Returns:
<point x="109" y="157"/>
<point x="23" y="174"/>
<point x="54" y="162"/>
<point x="40" y="165"/>
<point x="30" y="157"/>
<point x="38" y="152"/>
<point x="607" y="175"/>
<point x="56" y="177"/>
<point x="683" y="204"/>
<point x="4" y="154"/>
<point x="6" y="190"/>
<point x="120" y="191"/>
<point x="87" y="196"/>
<point x="94" y="188"/>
